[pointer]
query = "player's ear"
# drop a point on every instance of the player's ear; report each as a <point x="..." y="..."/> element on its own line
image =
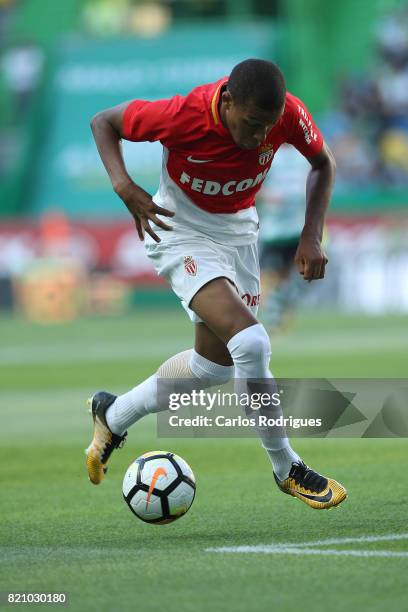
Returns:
<point x="226" y="98"/>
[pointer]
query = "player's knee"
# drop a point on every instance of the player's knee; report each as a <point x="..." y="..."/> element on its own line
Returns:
<point x="251" y="344"/>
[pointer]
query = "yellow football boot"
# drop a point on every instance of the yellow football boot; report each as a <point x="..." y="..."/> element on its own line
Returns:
<point x="313" y="489"/>
<point x="104" y="440"/>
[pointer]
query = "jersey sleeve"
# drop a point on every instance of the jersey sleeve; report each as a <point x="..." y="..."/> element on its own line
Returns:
<point x="144" y="120"/>
<point x="302" y="132"/>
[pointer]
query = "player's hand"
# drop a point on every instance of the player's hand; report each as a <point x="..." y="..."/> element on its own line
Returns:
<point x="143" y="210"/>
<point x="310" y="258"/>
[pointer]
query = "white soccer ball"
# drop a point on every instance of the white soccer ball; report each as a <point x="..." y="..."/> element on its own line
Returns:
<point x="159" y="487"/>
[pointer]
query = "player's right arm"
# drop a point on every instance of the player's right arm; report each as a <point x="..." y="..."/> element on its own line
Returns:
<point x="107" y="129"/>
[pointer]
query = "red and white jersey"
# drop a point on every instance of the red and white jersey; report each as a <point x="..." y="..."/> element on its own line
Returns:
<point x="206" y="179"/>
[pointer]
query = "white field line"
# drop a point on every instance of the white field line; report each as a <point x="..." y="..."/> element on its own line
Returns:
<point x="379" y="538"/>
<point x="280" y="550"/>
<point x="307" y="548"/>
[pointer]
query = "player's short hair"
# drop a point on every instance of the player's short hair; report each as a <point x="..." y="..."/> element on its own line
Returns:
<point x="258" y="81"/>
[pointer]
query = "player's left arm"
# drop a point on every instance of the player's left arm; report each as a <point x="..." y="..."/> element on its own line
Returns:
<point x="310" y="258"/>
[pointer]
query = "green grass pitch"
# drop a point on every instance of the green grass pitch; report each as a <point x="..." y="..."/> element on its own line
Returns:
<point x="60" y="533"/>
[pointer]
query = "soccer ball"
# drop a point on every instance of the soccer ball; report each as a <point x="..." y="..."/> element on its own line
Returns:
<point x="159" y="487"/>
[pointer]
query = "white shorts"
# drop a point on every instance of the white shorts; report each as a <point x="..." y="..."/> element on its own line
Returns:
<point x="189" y="264"/>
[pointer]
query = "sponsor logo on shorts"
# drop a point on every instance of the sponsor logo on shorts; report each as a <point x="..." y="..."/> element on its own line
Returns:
<point x="251" y="300"/>
<point x="265" y="154"/>
<point x="190" y="265"/>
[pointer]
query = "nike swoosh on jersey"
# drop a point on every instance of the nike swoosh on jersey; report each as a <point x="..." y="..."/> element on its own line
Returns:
<point x="198" y="161"/>
<point x="325" y="498"/>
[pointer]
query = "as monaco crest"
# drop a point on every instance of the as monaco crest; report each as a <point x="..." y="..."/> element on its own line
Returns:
<point x="265" y="154"/>
<point x="190" y="265"/>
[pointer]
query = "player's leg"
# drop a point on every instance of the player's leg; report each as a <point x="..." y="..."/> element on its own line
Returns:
<point x="112" y="415"/>
<point x="209" y="363"/>
<point x="219" y="305"/>
<point x="210" y="346"/>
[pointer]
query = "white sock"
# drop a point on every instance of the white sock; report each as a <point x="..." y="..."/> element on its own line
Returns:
<point x="142" y="399"/>
<point x="132" y="406"/>
<point x="251" y="350"/>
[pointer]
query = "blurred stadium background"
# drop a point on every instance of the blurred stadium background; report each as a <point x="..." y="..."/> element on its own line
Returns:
<point x="68" y="247"/>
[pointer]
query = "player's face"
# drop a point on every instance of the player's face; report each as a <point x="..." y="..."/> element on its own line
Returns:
<point x="248" y="125"/>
